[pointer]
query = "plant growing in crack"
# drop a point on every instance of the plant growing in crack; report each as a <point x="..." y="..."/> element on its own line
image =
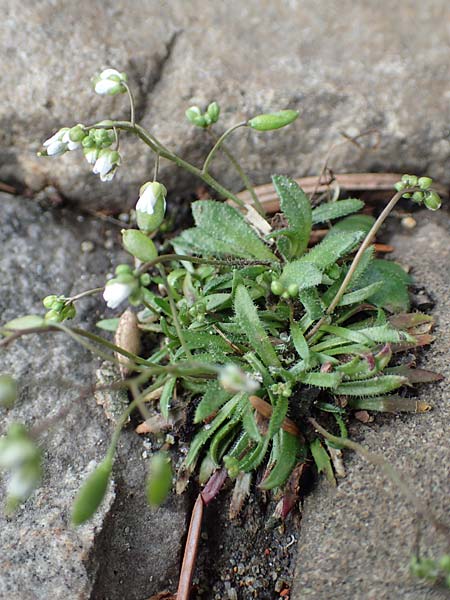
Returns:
<point x="274" y="338"/>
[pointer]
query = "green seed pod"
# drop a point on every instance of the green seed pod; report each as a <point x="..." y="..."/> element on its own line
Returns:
<point x="213" y="112"/>
<point x="91" y="493"/>
<point x="8" y="391"/>
<point x="53" y="316"/>
<point x="432" y="201"/>
<point x="399" y="186"/>
<point x="285" y="295"/>
<point x="425" y="183"/>
<point x="138" y="244"/>
<point x="194" y="116"/>
<point x="293" y="290"/>
<point x="159" y="481"/>
<point x="49" y="300"/>
<point x="274" y="120"/>
<point x="417" y="197"/>
<point x="276" y="287"/>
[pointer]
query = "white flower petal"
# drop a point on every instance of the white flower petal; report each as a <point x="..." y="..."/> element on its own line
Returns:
<point x="147" y="201"/>
<point x="56" y="148"/>
<point x="115" y="293"/>
<point x="104" y="86"/>
<point x="108" y="72"/>
<point x="102" y="165"/>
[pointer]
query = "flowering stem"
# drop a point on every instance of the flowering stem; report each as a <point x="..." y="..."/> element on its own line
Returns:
<point x="158" y="148"/>
<point x="131" y="97"/>
<point x="199" y="261"/>
<point x="217" y="145"/>
<point x="366" y="243"/>
<point x="173" y="309"/>
<point x="242" y="174"/>
<point x="84" y="294"/>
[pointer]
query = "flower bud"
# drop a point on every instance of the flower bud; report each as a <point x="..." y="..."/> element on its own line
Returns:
<point x="55" y="145"/>
<point x="212" y="113"/>
<point x="77" y="133"/>
<point x="425" y="183"/>
<point x="151" y="206"/>
<point x="194" y="116"/>
<point x="276" y="287"/>
<point x="159" y="481"/>
<point x="48" y="301"/>
<point x="8" y="391"/>
<point x="274" y="120"/>
<point x="119" y="289"/>
<point x="92" y="492"/>
<point x="417" y="197"/>
<point x="138" y="244"/>
<point x="432" y="201"/>
<point x="123" y="269"/>
<point x="110" y="82"/>
<point x="106" y="164"/>
<point x="293" y="290"/>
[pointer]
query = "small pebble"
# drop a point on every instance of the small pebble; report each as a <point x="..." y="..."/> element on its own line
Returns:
<point x="408" y="222"/>
<point x="87" y="246"/>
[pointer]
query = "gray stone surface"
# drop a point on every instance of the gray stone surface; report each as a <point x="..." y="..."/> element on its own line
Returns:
<point x="356" y="541"/>
<point x="346" y="66"/>
<point x="41" y="555"/>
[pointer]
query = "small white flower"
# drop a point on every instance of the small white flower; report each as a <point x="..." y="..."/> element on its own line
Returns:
<point x="91" y="155"/>
<point x="234" y="380"/>
<point x="106" y="164"/>
<point x="55" y="145"/>
<point x="110" y="82"/>
<point x="115" y="293"/>
<point x="21" y="483"/>
<point x="147" y="201"/>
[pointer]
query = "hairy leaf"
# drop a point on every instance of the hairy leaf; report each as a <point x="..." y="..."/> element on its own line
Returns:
<point x="287" y="457"/>
<point x="371" y="387"/>
<point x="322" y="460"/>
<point x="215" y="396"/>
<point x="393" y="294"/>
<point x="335" y="210"/>
<point x="332" y="248"/>
<point x="248" y="318"/>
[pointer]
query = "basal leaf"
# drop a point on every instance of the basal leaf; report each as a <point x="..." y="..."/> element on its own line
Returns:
<point x="224" y="224"/>
<point x="332" y="248"/>
<point x="247" y="316"/>
<point x="353" y="223"/>
<point x="296" y="207"/>
<point x="371" y="387"/>
<point x="322" y="460"/>
<point x="302" y="274"/>
<point x="360" y="295"/>
<point x="215" y="397"/>
<point x="393" y="295"/>
<point x="287" y="457"/>
<point x="335" y="210"/>
<point x="166" y="397"/>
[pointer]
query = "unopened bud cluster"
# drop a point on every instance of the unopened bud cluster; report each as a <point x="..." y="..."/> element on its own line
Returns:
<point x="59" y="308"/>
<point x="424" y="195"/>
<point x="203" y="119"/>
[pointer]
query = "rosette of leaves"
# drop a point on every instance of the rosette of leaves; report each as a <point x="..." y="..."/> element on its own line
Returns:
<point x="255" y="310"/>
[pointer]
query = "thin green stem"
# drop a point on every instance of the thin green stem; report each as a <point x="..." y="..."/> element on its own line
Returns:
<point x="199" y="261"/>
<point x="242" y="174"/>
<point x="160" y="149"/>
<point x="84" y="294"/>
<point x="174" y="311"/>
<point x="156" y="169"/>
<point x="219" y="142"/>
<point x="366" y="243"/>
<point x="131" y="98"/>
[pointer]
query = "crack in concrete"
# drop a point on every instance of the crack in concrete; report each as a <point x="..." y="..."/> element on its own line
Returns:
<point x="148" y="82"/>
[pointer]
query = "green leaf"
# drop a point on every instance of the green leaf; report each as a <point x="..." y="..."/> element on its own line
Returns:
<point x="108" y="324"/>
<point x="247" y="316"/>
<point x="296" y="207"/>
<point x="225" y="226"/>
<point x="332" y="248"/>
<point x="360" y="295"/>
<point x="215" y="397"/>
<point x="288" y="448"/>
<point x="166" y="397"/>
<point x="26" y="322"/>
<point x="371" y="387"/>
<point x="366" y="259"/>
<point x="335" y="210"/>
<point x="322" y="460"/>
<point x="249" y="424"/>
<point x="393" y="294"/>
<point x="323" y="380"/>
<point x="203" y="436"/>
<point x="299" y="341"/>
<point x="353" y="223"/>
<point x="303" y="274"/>
<point x="312" y="302"/>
